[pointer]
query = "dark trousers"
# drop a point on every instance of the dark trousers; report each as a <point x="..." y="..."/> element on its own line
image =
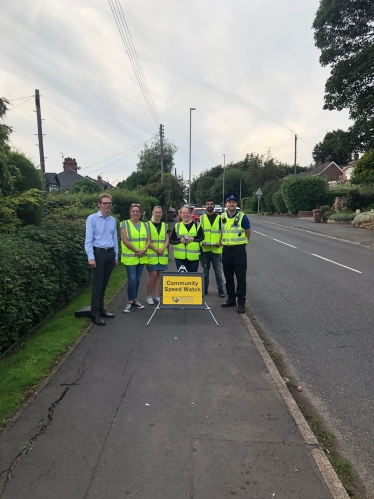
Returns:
<point x="234" y="262"/>
<point x="101" y="274"/>
<point x="191" y="265"/>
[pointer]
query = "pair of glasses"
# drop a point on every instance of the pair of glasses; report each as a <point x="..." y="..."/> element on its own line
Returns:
<point x="135" y="204"/>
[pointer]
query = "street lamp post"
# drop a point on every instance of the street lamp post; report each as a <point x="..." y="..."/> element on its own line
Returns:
<point x="223" y="182"/>
<point x="189" y="178"/>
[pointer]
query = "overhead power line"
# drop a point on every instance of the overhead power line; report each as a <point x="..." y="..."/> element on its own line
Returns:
<point x="124" y="32"/>
<point x="15" y="107"/>
<point x="131" y="149"/>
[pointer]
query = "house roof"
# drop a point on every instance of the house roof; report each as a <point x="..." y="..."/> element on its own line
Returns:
<point x="318" y="169"/>
<point x="52" y="178"/>
<point x="67" y="177"/>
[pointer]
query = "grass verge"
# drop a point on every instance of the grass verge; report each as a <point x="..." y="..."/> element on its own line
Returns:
<point x="28" y="364"/>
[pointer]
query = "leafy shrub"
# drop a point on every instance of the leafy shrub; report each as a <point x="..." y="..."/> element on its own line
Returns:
<point x="364" y="220"/>
<point x="342" y="217"/>
<point x="40" y="270"/>
<point x="303" y="194"/>
<point x="279" y="203"/>
<point x="354" y="200"/>
<point x="326" y="214"/>
<point x="332" y="194"/>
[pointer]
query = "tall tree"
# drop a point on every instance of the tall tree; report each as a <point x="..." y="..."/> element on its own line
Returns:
<point x="344" y="33"/>
<point x="364" y="171"/>
<point x="336" y="146"/>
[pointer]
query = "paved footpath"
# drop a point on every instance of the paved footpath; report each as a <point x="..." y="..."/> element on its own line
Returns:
<point x="179" y="409"/>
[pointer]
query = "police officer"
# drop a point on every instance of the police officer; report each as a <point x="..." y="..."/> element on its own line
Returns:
<point x="235" y="235"/>
<point x="211" y="246"/>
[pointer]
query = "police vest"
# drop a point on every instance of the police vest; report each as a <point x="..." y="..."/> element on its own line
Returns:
<point x="158" y="240"/>
<point x="190" y="251"/>
<point x="232" y="231"/>
<point x="212" y="234"/>
<point x="138" y="238"/>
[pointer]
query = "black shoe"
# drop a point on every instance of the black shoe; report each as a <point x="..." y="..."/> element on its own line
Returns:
<point x="98" y="321"/>
<point x="206" y="292"/>
<point x="106" y="314"/>
<point x="241" y="309"/>
<point x="221" y="293"/>
<point x="228" y="303"/>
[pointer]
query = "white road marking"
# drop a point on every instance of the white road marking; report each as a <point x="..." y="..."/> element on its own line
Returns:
<point x="290" y="245"/>
<point x="336" y="263"/>
<point x="261" y="234"/>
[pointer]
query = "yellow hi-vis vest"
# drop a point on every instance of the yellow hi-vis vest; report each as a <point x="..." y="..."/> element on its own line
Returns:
<point x="158" y="240"/>
<point x="190" y="251"/>
<point x="212" y="234"/>
<point x="138" y="239"/>
<point x="232" y="230"/>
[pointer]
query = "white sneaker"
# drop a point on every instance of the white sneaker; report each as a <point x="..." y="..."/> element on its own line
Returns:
<point x="156" y="299"/>
<point x="136" y="304"/>
<point x="149" y="300"/>
<point x="128" y="308"/>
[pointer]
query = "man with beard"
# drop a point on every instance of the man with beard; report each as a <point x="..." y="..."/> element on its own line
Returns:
<point x="211" y="246"/>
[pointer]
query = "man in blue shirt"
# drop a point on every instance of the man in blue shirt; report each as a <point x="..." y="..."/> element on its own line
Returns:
<point x="235" y="236"/>
<point x="101" y="246"/>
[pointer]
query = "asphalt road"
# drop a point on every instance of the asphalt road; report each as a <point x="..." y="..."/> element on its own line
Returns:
<point x="313" y="294"/>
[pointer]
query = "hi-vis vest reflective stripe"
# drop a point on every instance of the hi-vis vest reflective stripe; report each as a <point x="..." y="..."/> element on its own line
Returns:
<point x="212" y="234"/>
<point x="158" y="240"/>
<point x="232" y="230"/>
<point x="138" y="239"/>
<point x="190" y="251"/>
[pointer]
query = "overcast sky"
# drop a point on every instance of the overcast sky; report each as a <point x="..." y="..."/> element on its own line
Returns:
<point x="249" y="67"/>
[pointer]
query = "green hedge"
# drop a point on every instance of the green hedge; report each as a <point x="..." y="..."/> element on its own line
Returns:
<point x="122" y="200"/>
<point x="303" y="194"/>
<point x="40" y="270"/>
<point x="279" y="203"/>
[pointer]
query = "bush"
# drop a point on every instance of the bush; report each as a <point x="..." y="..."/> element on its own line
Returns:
<point x="303" y="194"/>
<point x="332" y="194"/>
<point x="354" y="200"/>
<point x="279" y="203"/>
<point x="342" y="217"/>
<point x="40" y="270"/>
<point x="364" y="220"/>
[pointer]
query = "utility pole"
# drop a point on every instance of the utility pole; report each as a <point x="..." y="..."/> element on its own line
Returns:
<point x="240" y="193"/>
<point x="223" y="181"/>
<point x="295" y="155"/>
<point x="189" y="177"/>
<point x="40" y="133"/>
<point x="162" y="153"/>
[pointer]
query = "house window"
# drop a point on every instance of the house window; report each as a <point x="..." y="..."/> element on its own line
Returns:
<point x="340" y="177"/>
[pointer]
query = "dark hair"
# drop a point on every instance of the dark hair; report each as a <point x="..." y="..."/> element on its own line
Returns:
<point x="210" y="200"/>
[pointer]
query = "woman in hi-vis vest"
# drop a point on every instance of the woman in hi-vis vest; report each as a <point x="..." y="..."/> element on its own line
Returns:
<point x="157" y="254"/>
<point x="186" y="238"/>
<point x="135" y="242"/>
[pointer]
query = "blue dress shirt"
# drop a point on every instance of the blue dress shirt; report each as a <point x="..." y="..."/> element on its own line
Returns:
<point x="101" y="232"/>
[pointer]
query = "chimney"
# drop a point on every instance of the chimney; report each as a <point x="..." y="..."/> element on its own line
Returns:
<point x="356" y="156"/>
<point x="99" y="178"/>
<point x="70" y="164"/>
<point x="327" y="160"/>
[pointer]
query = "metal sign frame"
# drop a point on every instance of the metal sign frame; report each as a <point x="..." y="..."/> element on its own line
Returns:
<point x="179" y="276"/>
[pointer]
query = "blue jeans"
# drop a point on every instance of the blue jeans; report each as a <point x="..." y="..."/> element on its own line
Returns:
<point x="134" y="273"/>
<point x="191" y="266"/>
<point x="215" y="258"/>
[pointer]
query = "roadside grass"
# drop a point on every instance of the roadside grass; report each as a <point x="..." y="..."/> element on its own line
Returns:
<point x="28" y="364"/>
<point x="342" y="467"/>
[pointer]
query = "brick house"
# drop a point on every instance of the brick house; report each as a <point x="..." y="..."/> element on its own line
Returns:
<point x="329" y="171"/>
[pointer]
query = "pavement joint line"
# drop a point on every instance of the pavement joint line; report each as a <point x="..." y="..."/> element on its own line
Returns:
<point x="355" y="243"/>
<point x="327" y="471"/>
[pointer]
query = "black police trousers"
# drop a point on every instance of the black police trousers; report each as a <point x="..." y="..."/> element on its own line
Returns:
<point x="234" y="262"/>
